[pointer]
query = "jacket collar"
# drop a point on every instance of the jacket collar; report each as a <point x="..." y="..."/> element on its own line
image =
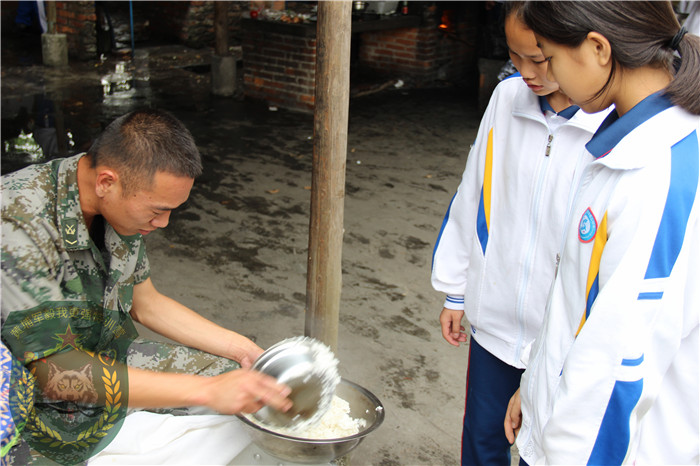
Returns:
<point x="614" y="128"/>
<point x="529" y="104"/>
<point x="567" y="113"/>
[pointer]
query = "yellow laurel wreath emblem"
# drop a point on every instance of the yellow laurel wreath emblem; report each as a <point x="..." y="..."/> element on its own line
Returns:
<point x="94" y="433"/>
<point x="42" y="432"/>
<point x="24" y="393"/>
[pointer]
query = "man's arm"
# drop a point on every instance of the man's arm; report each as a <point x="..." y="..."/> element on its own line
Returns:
<point x="173" y="320"/>
<point x="239" y="391"/>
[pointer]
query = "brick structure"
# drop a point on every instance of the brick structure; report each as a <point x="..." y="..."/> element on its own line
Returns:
<point x="279" y="58"/>
<point x="425" y="53"/>
<point x="77" y="20"/>
<point x="435" y="41"/>
<point x="280" y="67"/>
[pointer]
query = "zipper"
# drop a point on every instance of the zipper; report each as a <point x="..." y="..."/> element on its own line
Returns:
<point x="525" y="277"/>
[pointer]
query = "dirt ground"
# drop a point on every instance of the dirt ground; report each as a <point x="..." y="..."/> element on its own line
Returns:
<point x="237" y="250"/>
<point x="237" y="253"/>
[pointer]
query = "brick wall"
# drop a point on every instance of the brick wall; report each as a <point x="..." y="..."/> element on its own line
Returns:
<point x="77" y="21"/>
<point x="279" y="59"/>
<point x="279" y="68"/>
<point x="197" y="29"/>
<point x="425" y="53"/>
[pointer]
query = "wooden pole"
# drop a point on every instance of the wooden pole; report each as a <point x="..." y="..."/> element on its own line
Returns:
<point x="223" y="64"/>
<point x="221" y="28"/>
<point x="50" y="17"/>
<point x="332" y="97"/>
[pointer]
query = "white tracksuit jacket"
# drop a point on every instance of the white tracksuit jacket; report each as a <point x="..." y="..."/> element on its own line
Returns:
<point x="613" y="376"/>
<point x="496" y="253"/>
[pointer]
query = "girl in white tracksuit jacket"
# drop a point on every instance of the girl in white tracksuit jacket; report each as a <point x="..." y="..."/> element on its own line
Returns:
<point x="497" y="249"/>
<point x="613" y="377"/>
<point x="496" y="252"/>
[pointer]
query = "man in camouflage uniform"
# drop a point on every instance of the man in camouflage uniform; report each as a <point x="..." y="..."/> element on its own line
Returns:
<point x="74" y="274"/>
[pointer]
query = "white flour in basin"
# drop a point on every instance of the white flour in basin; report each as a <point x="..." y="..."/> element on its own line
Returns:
<point x="336" y="423"/>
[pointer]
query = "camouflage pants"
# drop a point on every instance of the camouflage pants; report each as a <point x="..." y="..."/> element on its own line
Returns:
<point x="154" y="356"/>
<point x="168" y="357"/>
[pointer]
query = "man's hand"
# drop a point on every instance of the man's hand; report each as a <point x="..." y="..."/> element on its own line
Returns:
<point x="245" y="391"/>
<point x="244" y="350"/>
<point x="451" y="324"/>
<point x="514" y="418"/>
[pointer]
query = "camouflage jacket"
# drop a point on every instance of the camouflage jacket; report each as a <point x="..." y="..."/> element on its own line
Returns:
<point x="47" y="252"/>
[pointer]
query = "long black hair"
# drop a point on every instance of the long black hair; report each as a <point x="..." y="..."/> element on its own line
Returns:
<point x="640" y="34"/>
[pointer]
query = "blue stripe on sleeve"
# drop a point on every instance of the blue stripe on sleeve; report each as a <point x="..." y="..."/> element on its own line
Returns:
<point x="679" y="202"/>
<point x="482" y="229"/>
<point x="614" y="434"/>
<point x="442" y="228"/>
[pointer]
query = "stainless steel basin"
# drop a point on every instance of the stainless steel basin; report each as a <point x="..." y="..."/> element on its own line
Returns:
<point x="363" y="404"/>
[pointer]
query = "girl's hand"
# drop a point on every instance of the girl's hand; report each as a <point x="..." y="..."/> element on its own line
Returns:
<point x="451" y="325"/>
<point x="514" y="418"/>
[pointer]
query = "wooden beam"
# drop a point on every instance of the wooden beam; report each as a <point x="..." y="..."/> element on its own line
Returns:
<point x="332" y="97"/>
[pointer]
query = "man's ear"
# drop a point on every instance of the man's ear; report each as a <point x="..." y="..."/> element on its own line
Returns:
<point x="107" y="180"/>
<point x="601" y="47"/>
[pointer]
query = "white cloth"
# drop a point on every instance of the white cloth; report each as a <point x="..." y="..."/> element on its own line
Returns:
<point x="42" y="16"/>
<point x="148" y="438"/>
<point x="692" y="21"/>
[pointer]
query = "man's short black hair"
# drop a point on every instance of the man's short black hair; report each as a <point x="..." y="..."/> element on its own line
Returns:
<point x="144" y="142"/>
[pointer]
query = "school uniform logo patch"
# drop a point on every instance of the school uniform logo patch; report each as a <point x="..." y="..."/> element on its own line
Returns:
<point x="587" y="226"/>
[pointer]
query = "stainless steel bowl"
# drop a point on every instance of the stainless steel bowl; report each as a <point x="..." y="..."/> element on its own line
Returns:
<point x="310" y="369"/>
<point x="363" y="404"/>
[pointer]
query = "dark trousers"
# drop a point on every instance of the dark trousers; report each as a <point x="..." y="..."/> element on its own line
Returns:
<point x="490" y="385"/>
